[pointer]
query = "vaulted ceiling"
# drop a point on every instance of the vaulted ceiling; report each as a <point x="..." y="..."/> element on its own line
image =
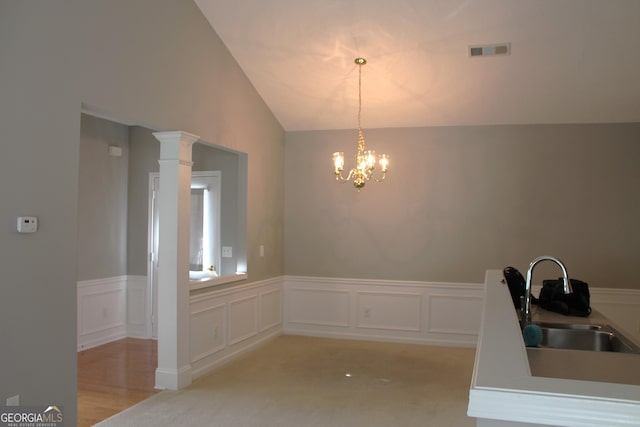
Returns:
<point x="571" y="61"/>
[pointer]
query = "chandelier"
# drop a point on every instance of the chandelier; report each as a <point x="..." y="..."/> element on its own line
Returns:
<point x="365" y="159"/>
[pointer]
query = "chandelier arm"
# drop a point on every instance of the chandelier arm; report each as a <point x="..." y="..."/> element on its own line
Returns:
<point x="384" y="175"/>
<point x="342" y="179"/>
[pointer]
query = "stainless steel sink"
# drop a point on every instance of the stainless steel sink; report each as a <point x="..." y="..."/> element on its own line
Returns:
<point x="580" y="326"/>
<point x="585" y="337"/>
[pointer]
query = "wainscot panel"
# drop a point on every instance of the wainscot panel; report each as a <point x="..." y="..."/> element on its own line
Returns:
<point x="270" y="309"/>
<point x="394" y="311"/>
<point x="207" y="331"/>
<point x="444" y="314"/>
<point x="243" y="319"/>
<point x="319" y="307"/>
<point x="102" y="311"/>
<point x="621" y="306"/>
<point x="228" y="322"/>
<point x="413" y="312"/>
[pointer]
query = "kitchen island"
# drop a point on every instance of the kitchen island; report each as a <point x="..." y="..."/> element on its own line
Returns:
<point x="504" y="392"/>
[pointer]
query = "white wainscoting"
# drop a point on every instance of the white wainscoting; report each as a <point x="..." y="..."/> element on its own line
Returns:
<point x="621" y="306"/>
<point x="226" y="323"/>
<point x="412" y="312"/>
<point x="102" y="314"/>
<point x="112" y="308"/>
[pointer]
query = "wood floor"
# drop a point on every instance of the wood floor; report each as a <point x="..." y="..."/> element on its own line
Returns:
<point x="113" y="377"/>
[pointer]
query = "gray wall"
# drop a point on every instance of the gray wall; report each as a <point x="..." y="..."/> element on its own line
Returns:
<point x="102" y="199"/>
<point x="156" y="63"/>
<point x="144" y="155"/>
<point x="144" y="152"/>
<point x="207" y="158"/>
<point x="460" y="200"/>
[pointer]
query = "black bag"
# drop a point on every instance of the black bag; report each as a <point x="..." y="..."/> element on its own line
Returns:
<point x="516" y="284"/>
<point x="553" y="298"/>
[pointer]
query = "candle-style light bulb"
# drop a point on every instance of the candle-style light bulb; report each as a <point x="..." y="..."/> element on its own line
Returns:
<point x="338" y="161"/>
<point x="384" y="162"/>
<point x="370" y="157"/>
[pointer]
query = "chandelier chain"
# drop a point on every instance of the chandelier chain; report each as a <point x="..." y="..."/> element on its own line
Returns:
<point x="361" y="144"/>
<point x="359" y="94"/>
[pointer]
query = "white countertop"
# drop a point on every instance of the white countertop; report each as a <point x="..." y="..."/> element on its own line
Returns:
<point x="503" y="388"/>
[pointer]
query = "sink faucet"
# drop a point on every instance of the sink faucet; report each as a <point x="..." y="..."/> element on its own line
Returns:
<point x="526" y="318"/>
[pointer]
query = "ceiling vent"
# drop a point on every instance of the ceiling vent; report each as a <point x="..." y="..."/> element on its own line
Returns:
<point x="498" y="49"/>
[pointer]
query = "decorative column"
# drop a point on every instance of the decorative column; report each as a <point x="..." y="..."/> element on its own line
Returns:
<point x="174" y="355"/>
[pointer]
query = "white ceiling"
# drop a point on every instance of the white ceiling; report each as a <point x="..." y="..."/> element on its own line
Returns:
<point x="572" y="61"/>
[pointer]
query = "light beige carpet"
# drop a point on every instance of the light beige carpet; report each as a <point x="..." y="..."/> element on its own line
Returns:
<point x="305" y="381"/>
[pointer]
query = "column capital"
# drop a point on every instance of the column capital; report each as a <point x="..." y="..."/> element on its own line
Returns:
<point x="176" y="145"/>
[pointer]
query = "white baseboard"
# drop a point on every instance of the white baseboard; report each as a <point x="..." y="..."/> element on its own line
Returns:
<point x="173" y="379"/>
<point x="104" y="338"/>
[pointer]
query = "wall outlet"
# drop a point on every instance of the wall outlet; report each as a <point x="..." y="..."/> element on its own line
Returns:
<point x="227" y="252"/>
<point x="367" y="313"/>
<point x="27" y="224"/>
<point x="13" y="400"/>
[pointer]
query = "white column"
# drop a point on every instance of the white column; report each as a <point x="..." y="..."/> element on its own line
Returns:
<point x="174" y="358"/>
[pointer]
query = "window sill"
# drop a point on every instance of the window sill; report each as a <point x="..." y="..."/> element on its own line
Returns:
<point x="215" y="281"/>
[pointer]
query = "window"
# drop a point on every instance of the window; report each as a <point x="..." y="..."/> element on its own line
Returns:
<point x="204" y="244"/>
